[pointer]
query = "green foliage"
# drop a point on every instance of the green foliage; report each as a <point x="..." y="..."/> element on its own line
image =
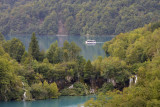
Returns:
<point x="50" y="24"/>
<point x="70" y="51"/>
<point x="141" y="57"/>
<point x="24" y="57"/>
<point x="136" y="46"/>
<point x="79" y="89"/>
<point x="44" y="91"/>
<point x="80" y="17"/>
<point x="100" y="102"/>
<point x="1" y="37"/>
<point x="43" y="68"/>
<point x="88" y="70"/>
<point x="80" y="68"/>
<point x="114" y="68"/>
<point x="15" y="48"/>
<point x="2" y="52"/>
<point x="33" y="49"/>
<point x="34" y="69"/>
<point x="41" y="55"/>
<point x="54" y="53"/>
<point x="106" y="87"/>
<point x="38" y="92"/>
<point x="10" y="83"/>
<point x="155" y="26"/>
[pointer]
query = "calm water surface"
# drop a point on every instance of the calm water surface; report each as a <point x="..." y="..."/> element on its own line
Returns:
<point x="88" y="51"/>
<point x="63" y="101"/>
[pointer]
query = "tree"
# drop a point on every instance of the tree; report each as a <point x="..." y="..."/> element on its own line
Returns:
<point x="53" y="90"/>
<point x="65" y="49"/>
<point x="33" y="49"/>
<point x="15" y="48"/>
<point x="69" y="24"/>
<point x="2" y="52"/>
<point x="115" y="70"/>
<point x="38" y="91"/>
<point x="1" y="37"/>
<point x="54" y="53"/>
<point x="41" y="55"/>
<point x="50" y="24"/>
<point x="10" y="83"/>
<point x="88" y="70"/>
<point x="74" y="51"/>
<point x="80" y="67"/>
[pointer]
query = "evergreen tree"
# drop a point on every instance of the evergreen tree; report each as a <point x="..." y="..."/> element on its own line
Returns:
<point x="88" y="70"/>
<point x="65" y="48"/>
<point x="33" y="49"/>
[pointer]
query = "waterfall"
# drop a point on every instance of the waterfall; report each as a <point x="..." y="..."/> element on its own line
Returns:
<point x="92" y="91"/>
<point x="111" y="80"/>
<point x="70" y="87"/>
<point x="130" y="81"/>
<point x="135" y="79"/>
<point x="24" y="94"/>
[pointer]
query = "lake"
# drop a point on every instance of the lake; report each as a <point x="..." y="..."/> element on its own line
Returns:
<point x="88" y="51"/>
<point x="63" y="101"/>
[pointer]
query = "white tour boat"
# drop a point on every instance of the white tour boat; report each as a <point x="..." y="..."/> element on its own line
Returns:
<point x="90" y="42"/>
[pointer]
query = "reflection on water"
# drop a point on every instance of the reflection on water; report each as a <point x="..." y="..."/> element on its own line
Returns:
<point x="63" y="101"/>
<point x="88" y="51"/>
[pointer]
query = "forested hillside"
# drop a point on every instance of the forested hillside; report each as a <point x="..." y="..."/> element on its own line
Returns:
<point x="139" y="50"/>
<point x="78" y="17"/>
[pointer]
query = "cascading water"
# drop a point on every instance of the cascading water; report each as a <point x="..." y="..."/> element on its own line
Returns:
<point x="135" y="79"/>
<point x="22" y="83"/>
<point x="111" y="80"/>
<point x="92" y="91"/>
<point x="130" y="81"/>
<point x="24" y="94"/>
<point x="70" y="87"/>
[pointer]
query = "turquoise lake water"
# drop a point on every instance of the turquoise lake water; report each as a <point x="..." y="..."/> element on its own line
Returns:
<point x="88" y="51"/>
<point x="63" y="101"/>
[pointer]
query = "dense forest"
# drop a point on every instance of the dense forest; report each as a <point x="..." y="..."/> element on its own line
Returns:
<point x="36" y="74"/>
<point x="62" y="71"/>
<point x="76" y="17"/>
<point x="128" y="75"/>
<point x="139" y="51"/>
